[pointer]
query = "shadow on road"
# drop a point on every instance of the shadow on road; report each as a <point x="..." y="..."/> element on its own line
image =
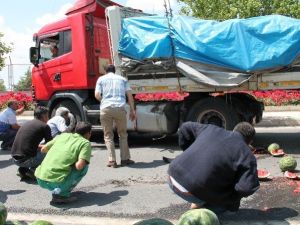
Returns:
<point x="93" y="198"/>
<point x="4" y="194"/>
<point x="287" y="141"/>
<point x="146" y="165"/>
<point x="278" y="214"/>
<point x="5" y="163"/>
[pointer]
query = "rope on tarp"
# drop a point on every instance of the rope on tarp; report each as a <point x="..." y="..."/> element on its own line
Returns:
<point x="169" y="16"/>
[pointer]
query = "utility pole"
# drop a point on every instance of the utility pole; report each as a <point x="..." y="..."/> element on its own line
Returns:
<point x="10" y="75"/>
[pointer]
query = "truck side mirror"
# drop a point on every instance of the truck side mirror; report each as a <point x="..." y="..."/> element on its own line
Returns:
<point x="33" y="54"/>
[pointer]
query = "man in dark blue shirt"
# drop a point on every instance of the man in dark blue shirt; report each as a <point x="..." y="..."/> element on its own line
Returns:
<point x="217" y="168"/>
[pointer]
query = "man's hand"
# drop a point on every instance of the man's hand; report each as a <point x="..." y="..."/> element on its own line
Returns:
<point x="44" y="149"/>
<point x="132" y="115"/>
<point x="80" y="164"/>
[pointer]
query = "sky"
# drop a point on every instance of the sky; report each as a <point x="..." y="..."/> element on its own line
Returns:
<point x="19" y="20"/>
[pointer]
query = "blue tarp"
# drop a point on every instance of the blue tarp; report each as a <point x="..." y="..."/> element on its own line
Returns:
<point x="247" y="45"/>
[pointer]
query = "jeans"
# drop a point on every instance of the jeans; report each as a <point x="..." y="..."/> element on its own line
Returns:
<point x="8" y="138"/>
<point x="64" y="188"/>
<point x="32" y="162"/>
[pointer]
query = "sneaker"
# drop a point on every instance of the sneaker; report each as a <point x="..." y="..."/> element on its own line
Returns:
<point x="58" y="199"/>
<point x="127" y="162"/>
<point x="112" y="164"/>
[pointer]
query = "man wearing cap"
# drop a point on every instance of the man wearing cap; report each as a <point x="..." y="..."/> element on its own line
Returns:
<point x="58" y="123"/>
<point x="9" y="125"/>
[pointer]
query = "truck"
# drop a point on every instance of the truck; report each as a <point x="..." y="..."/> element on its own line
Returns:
<point x="88" y="39"/>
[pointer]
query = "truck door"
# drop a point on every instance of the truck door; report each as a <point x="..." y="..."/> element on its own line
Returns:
<point x="55" y="63"/>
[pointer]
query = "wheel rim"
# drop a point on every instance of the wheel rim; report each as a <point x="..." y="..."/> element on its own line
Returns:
<point x="212" y="117"/>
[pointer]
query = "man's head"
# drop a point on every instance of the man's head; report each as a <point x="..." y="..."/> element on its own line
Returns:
<point x="13" y="104"/>
<point x="110" y="69"/>
<point x="84" y="129"/>
<point x="41" y="113"/>
<point x="54" y="51"/>
<point x="62" y="111"/>
<point x="246" y="130"/>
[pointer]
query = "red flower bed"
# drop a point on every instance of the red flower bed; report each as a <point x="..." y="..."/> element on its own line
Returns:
<point x="21" y="97"/>
<point x="278" y="97"/>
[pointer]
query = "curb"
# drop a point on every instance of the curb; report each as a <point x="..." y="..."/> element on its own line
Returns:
<point x="79" y="220"/>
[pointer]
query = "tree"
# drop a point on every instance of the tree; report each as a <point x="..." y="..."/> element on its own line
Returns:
<point x="2" y="85"/>
<point x="24" y="83"/>
<point x="4" y="49"/>
<point x="229" y="9"/>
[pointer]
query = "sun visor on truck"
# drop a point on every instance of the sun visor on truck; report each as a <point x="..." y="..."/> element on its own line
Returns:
<point x="242" y="45"/>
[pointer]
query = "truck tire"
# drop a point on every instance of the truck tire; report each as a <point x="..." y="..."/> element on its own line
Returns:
<point x="72" y="108"/>
<point x="213" y="111"/>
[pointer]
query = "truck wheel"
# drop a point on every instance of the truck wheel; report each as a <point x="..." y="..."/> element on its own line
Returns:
<point x="72" y="108"/>
<point x="213" y="111"/>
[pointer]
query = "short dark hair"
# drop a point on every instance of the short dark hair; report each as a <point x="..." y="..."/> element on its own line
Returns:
<point x="110" y="69"/>
<point x="11" y="102"/>
<point x="83" y="128"/>
<point x="245" y="129"/>
<point x="40" y="111"/>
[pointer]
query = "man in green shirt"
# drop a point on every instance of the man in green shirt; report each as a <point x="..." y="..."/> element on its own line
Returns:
<point x="66" y="163"/>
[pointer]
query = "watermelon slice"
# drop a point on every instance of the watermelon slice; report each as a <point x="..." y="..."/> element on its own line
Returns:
<point x="263" y="174"/>
<point x="277" y="152"/>
<point x="290" y="175"/>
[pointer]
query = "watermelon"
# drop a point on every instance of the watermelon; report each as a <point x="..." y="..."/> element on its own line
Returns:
<point x="263" y="174"/>
<point x="290" y="175"/>
<point x="3" y="213"/>
<point x="199" y="217"/>
<point x="287" y="163"/>
<point x="154" y="221"/>
<point x="273" y="146"/>
<point x="13" y="223"/>
<point x="41" y="222"/>
<point x="277" y="152"/>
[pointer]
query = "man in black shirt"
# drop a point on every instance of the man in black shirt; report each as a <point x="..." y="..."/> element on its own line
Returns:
<point x="217" y="168"/>
<point x="26" y="147"/>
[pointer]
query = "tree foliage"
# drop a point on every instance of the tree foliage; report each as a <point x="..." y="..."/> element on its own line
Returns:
<point x="4" y="49"/>
<point x="229" y="9"/>
<point x="2" y="85"/>
<point x="24" y="83"/>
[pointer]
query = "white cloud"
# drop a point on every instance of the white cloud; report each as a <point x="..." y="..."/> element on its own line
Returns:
<point x="22" y="41"/>
<point x="154" y="6"/>
<point x="51" y="17"/>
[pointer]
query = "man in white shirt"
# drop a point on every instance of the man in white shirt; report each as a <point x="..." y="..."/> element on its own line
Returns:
<point x="58" y="123"/>
<point x="111" y="90"/>
<point x="9" y="125"/>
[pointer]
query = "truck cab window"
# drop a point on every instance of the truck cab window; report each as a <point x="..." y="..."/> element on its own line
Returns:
<point x="49" y="47"/>
<point x="54" y="45"/>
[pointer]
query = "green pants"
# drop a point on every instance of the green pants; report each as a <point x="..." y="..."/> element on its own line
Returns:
<point x="67" y="185"/>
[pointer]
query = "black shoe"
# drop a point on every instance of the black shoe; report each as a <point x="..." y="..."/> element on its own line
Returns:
<point x="25" y="174"/>
<point x="58" y="199"/>
<point x="127" y="162"/>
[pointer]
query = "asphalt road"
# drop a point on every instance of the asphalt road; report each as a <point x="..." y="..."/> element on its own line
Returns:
<point x="140" y="191"/>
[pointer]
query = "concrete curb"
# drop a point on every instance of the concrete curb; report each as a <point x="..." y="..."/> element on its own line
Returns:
<point x="79" y="220"/>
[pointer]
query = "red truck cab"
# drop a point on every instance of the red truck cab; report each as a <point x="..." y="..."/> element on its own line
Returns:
<point x="68" y="78"/>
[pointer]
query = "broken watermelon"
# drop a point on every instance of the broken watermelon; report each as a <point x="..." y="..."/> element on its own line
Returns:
<point x="263" y="174"/>
<point x="277" y="152"/>
<point x="290" y="175"/>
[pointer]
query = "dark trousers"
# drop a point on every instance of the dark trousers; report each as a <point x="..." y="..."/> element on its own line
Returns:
<point x="30" y="163"/>
<point x="8" y="138"/>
